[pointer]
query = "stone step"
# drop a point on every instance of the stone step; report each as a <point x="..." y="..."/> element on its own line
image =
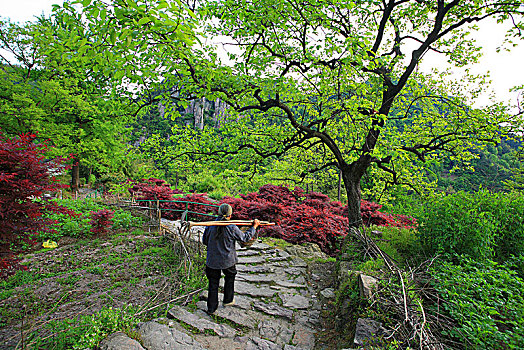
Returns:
<point x="255" y="278"/>
<point x="294" y="301"/>
<point x="288" y="284"/>
<point x="259" y="246"/>
<point x="245" y="318"/>
<point x="243" y="260"/>
<point x="241" y="301"/>
<point x="255" y="269"/>
<point x="256" y="343"/>
<point x="156" y="336"/>
<point x="273" y="309"/>
<point x="248" y="252"/>
<point x="200" y="323"/>
<point x="253" y="291"/>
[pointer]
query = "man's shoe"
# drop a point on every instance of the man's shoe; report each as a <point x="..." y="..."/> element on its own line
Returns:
<point x="231" y="303"/>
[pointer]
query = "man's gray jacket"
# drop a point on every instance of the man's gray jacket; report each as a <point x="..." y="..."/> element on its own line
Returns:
<point x="221" y="253"/>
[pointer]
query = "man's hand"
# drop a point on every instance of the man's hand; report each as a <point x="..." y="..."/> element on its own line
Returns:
<point x="256" y="223"/>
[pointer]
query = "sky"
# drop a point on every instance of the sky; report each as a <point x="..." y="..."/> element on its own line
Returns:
<point x="506" y="69"/>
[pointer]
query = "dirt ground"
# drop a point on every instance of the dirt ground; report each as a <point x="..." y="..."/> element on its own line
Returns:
<point x="81" y="277"/>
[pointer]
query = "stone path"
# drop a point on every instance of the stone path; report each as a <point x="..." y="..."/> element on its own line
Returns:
<point x="276" y="307"/>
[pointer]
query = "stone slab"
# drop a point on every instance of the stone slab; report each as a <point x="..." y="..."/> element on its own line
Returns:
<point x="256" y="343"/>
<point x="156" y="336"/>
<point x="235" y="315"/>
<point x="304" y="338"/>
<point x="260" y="246"/>
<point x="181" y="314"/>
<point x="252" y="290"/>
<point x="288" y="284"/>
<point x="294" y="301"/>
<point x="275" y="330"/>
<point x="255" y="269"/>
<point x="273" y="309"/>
<point x="247" y="253"/>
<point x="276" y="258"/>
<point x="120" y="341"/>
<point x="255" y="278"/>
<point x="251" y="260"/>
<point x="241" y="301"/>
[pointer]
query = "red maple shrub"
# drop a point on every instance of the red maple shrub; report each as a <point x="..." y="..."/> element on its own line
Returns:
<point x="153" y="189"/>
<point x="101" y="221"/>
<point x="24" y="177"/>
<point x="9" y="265"/>
<point x="306" y="217"/>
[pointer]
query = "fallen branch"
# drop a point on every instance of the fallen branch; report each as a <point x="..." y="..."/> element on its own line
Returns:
<point x="170" y="301"/>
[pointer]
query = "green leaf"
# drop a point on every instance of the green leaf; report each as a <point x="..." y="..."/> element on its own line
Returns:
<point x="144" y="20"/>
<point x="112" y="37"/>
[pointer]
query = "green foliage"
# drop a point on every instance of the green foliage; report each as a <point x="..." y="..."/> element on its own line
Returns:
<point x="401" y="244"/>
<point x="371" y="266"/>
<point x="85" y="332"/>
<point x="483" y="225"/>
<point x="77" y="227"/>
<point x="486" y="301"/>
<point x="91" y="180"/>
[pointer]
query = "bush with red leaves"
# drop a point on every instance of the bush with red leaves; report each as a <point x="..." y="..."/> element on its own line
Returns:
<point x="24" y="177"/>
<point x="310" y="217"/>
<point x="153" y="189"/>
<point x="9" y="265"/>
<point x="101" y="221"/>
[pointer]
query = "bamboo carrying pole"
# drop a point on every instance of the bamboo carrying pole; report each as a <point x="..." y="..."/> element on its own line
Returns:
<point x="229" y="222"/>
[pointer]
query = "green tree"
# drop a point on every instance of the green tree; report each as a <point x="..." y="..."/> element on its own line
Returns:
<point x="41" y="92"/>
<point x="337" y="76"/>
<point x="339" y="79"/>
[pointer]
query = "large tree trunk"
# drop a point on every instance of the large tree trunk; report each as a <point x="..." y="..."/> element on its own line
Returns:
<point x="75" y="177"/>
<point x="352" y="185"/>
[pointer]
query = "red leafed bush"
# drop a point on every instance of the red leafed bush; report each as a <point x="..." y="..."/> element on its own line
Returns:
<point x="9" y="265"/>
<point x="101" y="221"/>
<point x="307" y="224"/>
<point x="151" y="189"/>
<point x="372" y="216"/>
<point x="24" y="176"/>
<point x="277" y="194"/>
<point x="310" y="217"/>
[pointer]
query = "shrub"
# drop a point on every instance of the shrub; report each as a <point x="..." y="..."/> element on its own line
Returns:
<point x="399" y="243"/>
<point x="24" y="176"/>
<point x="101" y="221"/>
<point x="302" y="217"/>
<point x="91" y="180"/>
<point x="153" y="189"/>
<point x="10" y="265"/>
<point x="482" y="225"/>
<point x="84" y="332"/>
<point x="486" y="301"/>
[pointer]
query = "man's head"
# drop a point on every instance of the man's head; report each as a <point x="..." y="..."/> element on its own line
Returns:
<point x="225" y="211"/>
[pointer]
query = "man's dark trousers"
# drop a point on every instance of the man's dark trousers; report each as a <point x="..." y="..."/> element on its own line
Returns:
<point x="213" y="275"/>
